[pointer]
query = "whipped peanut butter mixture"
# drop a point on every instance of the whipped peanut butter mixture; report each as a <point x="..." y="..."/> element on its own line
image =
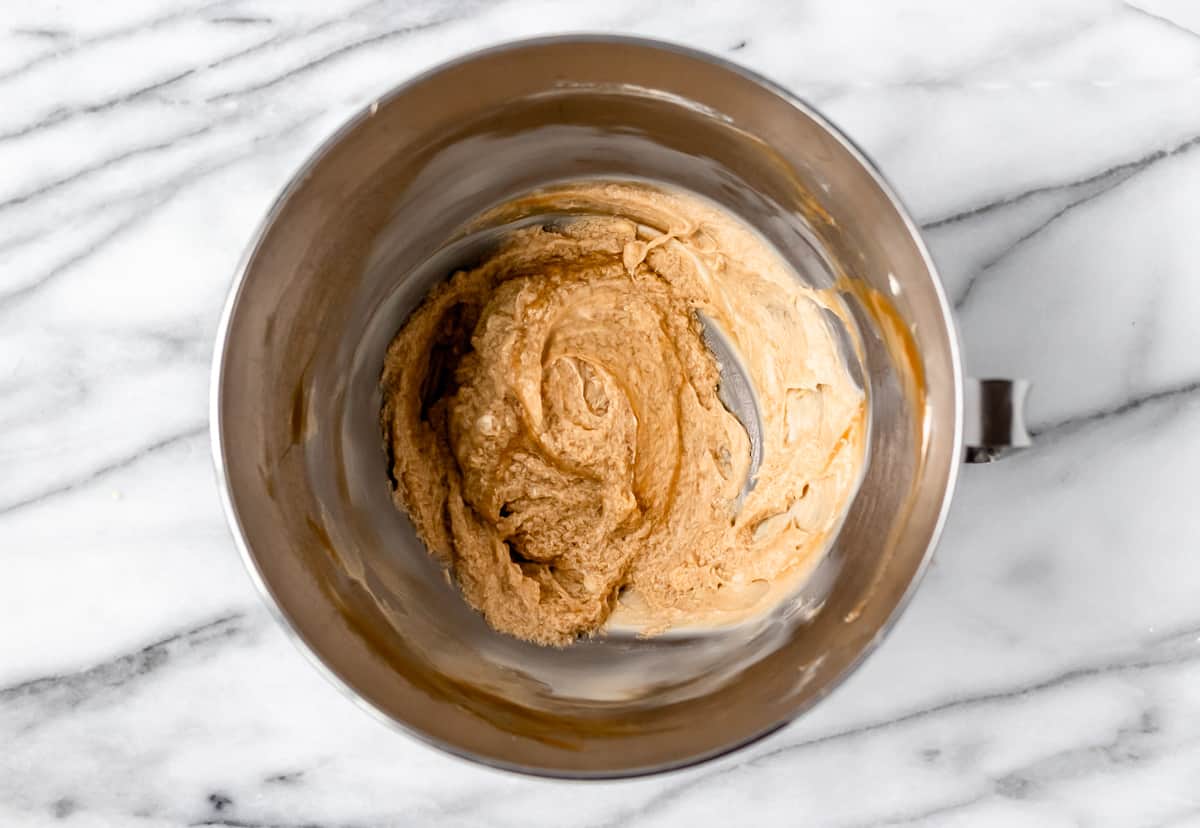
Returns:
<point x="555" y="430"/>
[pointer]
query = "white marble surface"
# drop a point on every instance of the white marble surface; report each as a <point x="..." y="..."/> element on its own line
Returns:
<point x="1048" y="672"/>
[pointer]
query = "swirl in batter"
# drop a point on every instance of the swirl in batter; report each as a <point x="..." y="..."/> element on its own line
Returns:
<point x="556" y="433"/>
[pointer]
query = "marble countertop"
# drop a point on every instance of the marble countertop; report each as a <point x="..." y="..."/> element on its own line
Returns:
<point x="1048" y="672"/>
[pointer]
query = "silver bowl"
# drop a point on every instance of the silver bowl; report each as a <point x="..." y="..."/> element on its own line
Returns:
<point x="349" y="249"/>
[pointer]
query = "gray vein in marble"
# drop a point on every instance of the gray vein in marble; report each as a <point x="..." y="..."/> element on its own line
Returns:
<point x="1084" y="192"/>
<point x="118" y="33"/>
<point x="1166" y="21"/>
<point x="33" y="236"/>
<point x="55" y="694"/>
<point x="41" y="32"/>
<point x="167" y="186"/>
<point x="147" y="202"/>
<point x="1091" y="188"/>
<point x="1027" y="48"/>
<point x="1135" y="662"/>
<point x="196" y="343"/>
<point x="141" y="211"/>
<point x="1130" y="664"/>
<point x="230" y="822"/>
<point x="181" y="437"/>
<point x="1121" y="172"/>
<point x="1128" y="746"/>
<point x="922" y="816"/>
<point x="281" y="38"/>
<point x="60" y="115"/>
<point x="334" y="54"/>
<point x="69" y="392"/>
<point x="66" y="113"/>
<point x="285" y="778"/>
<point x="241" y="20"/>
<point x="664" y="799"/>
<point x="1059" y="428"/>
<point x="1187" y="634"/>
<point x="960" y="77"/>
<point x="137" y="151"/>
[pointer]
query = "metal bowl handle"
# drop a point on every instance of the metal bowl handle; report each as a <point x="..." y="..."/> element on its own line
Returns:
<point x="994" y="418"/>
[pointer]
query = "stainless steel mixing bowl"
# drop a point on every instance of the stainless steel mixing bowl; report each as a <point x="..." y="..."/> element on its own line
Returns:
<point x="350" y="248"/>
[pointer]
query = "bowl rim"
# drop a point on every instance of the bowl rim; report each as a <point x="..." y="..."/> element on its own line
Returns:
<point x="250" y="253"/>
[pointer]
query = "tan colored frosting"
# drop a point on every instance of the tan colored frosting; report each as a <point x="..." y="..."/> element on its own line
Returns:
<point x="557" y="436"/>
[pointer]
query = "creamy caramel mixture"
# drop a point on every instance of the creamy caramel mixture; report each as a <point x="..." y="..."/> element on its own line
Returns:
<point x="556" y="433"/>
